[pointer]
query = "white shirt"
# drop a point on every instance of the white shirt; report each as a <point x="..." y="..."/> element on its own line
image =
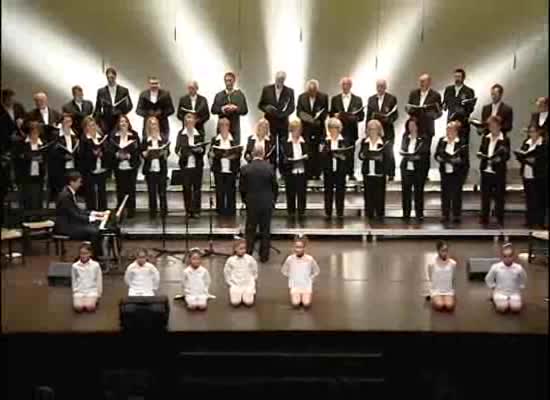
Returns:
<point x="527" y="169"/>
<point x="506" y="280"/>
<point x="91" y="216"/>
<point x="491" y="150"/>
<point x="334" y="146"/>
<point x="45" y="114"/>
<point x="195" y="282"/>
<point x="380" y="102"/>
<point x="78" y="104"/>
<point x="423" y="96"/>
<point x="155" y="162"/>
<point x="494" y="108"/>
<point x="457" y="89"/>
<point x="300" y="271"/>
<point x="372" y="147"/>
<point x="193" y="102"/>
<point x="191" y="161"/>
<point x="278" y="91"/>
<point x="241" y="272"/>
<point x="112" y="92"/>
<point x="98" y="168"/>
<point x="35" y="165"/>
<point x="224" y="161"/>
<point x="87" y="279"/>
<point x="297" y="167"/>
<point x="346" y="99"/>
<point x="312" y="103"/>
<point x="124" y="165"/>
<point x="542" y="117"/>
<point x="11" y="113"/>
<point x="441" y="276"/>
<point x="411" y="149"/>
<point x="449" y="149"/>
<point x="142" y="280"/>
<point x="153" y="96"/>
<point x="69" y="145"/>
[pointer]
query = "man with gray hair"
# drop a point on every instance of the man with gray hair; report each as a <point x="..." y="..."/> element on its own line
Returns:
<point x="277" y="103"/>
<point x="258" y="187"/>
<point x="194" y="102"/>
<point x="312" y="109"/>
<point x="46" y="116"/>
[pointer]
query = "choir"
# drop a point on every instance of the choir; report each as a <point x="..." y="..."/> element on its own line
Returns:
<point x="39" y="148"/>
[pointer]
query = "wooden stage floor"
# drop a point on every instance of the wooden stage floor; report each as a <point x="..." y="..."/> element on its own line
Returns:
<point x="363" y="287"/>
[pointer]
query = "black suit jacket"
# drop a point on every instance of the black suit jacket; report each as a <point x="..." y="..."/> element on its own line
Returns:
<point x="69" y="218"/>
<point x="342" y="166"/>
<point x="504" y="111"/>
<point x="162" y="160"/>
<point x="183" y="150"/>
<point x="78" y="115"/>
<point x="287" y="152"/>
<point x="350" y="122"/>
<point x="502" y="153"/>
<point x="54" y="118"/>
<point x="258" y="185"/>
<point x="132" y="149"/>
<point x="459" y="160"/>
<point x="268" y="146"/>
<point x="8" y="126"/>
<point x="162" y="109"/>
<point x="535" y="121"/>
<point x="313" y="132"/>
<point x="453" y="103"/>
<point x="381" y="158"/>
<point x="388" y="104"/>
<point x="105" y="113"/>
<point x="238" y="98"/>
<point x="421" y="157"/>
<point x="201" y="110"/>
<point x="216" y="162"/>
<point x="426" y="120"/>
<point x="540" y="162"/>
<point x="278" y="118"/>
<point x="58" y="155"/>
<point x="88" y="159"/>
<point x="23" y="156"/>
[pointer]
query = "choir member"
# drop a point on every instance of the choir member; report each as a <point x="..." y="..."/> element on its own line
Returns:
<point x="494" y="152"/>
<point x="335" y="166"/>
<point x="86" y="280"/>
<point x="141" y="276"/>
<point x="383" y="107"/>
<point x="155" y="151"/>
<point x="231" y="103"/>
<point x="441" y="277"/>
<point x="312" y="109"/>
<point x="294" y="156"/>
<point x="94" y="164"/>
<point x="13" y="116"/>
<point x="196" y="282"/>
<point x="79" y="108"/>
<point x="262" y="138"/>
<point x="32" y="152"/>
<point x="225" y="169"/>
<point x="301" y="270"/>
<point x="155" y="102"/>
<point x="506" y="279"/>
<point x="70" y="220"/>
<point x="64" y="155"/>
<point x="241" y="273"/>
<point x="375" y="154"/>
<point x="498" y="108"/>
<point x="125" y="147"/>
<point x="190" y="149"/>
<point x="45" y="115"/>
<point x="459" y="100"/>
<point x="194" y="102"/>
<point x="428" y="107"/>
<point x="113" y="100"/>
<point x="452" y="154"/>
<point x="540" y="118"/>
<point x="277" y="103"/>
<point x="533" y="157"/>
<point x="348" y="108"/>
<point x="415" y="152"/>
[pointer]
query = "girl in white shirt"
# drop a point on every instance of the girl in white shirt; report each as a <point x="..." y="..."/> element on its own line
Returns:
<point x="196" y="282"/>
<point x="301" y="269"/>
<point x="241" y="273"/>
<point x="141" y="276"/>
<point x="86" y="280"/>
<point x="441" y="277"/>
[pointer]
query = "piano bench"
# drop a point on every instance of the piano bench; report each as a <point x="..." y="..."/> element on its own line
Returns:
<point x="59" y="242"/>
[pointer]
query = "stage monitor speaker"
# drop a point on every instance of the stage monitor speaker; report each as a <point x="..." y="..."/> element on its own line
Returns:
<point x="478" y="267"/>
<point x="144" y="313"/>
<point x="59" y="274"/>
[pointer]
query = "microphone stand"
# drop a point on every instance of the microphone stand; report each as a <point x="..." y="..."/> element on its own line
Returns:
<point x="210" y="250"/>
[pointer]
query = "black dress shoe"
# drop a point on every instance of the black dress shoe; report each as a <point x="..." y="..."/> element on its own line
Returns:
<point x="457" y="220"/>
<point x="391" y="178"/>
<point x="444" y="220"/>
<point x="328" y="217"/>
<point x="420" y="219"/>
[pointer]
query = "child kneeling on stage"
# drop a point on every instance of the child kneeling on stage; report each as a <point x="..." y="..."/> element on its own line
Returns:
<point x="86" y="280"/>
<point x="506" y="279"/>
<point x="301" y="269"/>
<point x="141" y="276"/>
<point x="196" y="282"/>
<point x="441" y="276"/>
<point x="241" y="272"/>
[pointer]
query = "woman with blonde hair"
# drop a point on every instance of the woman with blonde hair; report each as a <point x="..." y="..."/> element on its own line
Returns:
<point x="262" y="138"/>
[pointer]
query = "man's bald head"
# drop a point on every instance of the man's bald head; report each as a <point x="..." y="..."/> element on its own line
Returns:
<point x="346" y="84"/>
<point x="381" y="86"/>
<point x="40" y="99"/>
<point x="425" y="81"/>
<point x="280" y="78"/>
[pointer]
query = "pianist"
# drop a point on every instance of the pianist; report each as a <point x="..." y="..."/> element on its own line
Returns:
<point x="74" y="222"/>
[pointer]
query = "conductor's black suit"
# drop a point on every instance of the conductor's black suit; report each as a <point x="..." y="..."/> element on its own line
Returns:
<point x="258" y="187"/>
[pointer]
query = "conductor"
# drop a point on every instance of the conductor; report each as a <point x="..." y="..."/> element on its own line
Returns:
<point x="258" y="187"/>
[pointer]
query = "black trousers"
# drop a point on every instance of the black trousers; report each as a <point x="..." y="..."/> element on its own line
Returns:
<point x="95" y="192"/>
<point x="313" y="164"/>
<point x="493" y="188"/>
<point x="192" y="182"/>
<point x="226" y="193"/>
<point x="126" y="185"/>
<point x="412" y="181"/>
<point x="259" y="218"/>
<point x="156" y="189"/>
<point x="32" y="195"/>
<point x="374" y="192"/>
<point x="335" y="189"/>
<point x="56" y="183"/>
<point x="451" y="194"/>
<point x="391" y="159"/>
<point x="296" y="193"/>
<point x="536" y="200"/>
